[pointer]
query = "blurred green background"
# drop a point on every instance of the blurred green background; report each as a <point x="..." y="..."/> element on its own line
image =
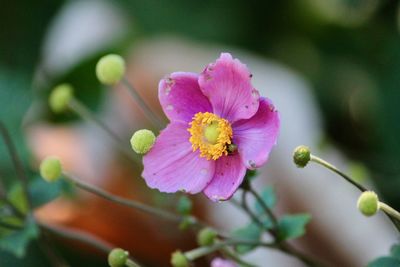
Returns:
<point x="348" y="50"/>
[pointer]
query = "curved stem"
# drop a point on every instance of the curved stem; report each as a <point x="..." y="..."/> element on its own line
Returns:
<point x="389" y="210"/>
<point x="264" y="206"/>
<point x="123" y="201"/>
<point x="357" y="185"/>
<point x="235" y="258"/>
<point x="142" y="104"/>
<point x="336" y="170"/>
<point x="87" y="115"/>
<point x="287" y="248"/>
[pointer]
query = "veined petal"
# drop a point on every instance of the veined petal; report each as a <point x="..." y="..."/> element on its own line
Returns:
<point x="172" y="166"/>
<point x="256" y="136"/>
<point x="180" y="96"/>
<point x="227" y="85"/>
<point x="229" y="174"/>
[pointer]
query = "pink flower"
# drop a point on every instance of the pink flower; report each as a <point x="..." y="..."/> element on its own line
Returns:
<point x="219" y="127"/>
<point x="218" y="262"/>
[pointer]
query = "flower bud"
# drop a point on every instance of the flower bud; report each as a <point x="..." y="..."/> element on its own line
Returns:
<point x="110" y="69"/>
<point x="179" y="260"/>
<point x="117" y="257"/>
<point x="142" y="141"/>
<point x="60" y="97"/>
<point x="301" y="156"/>
<point x="206" y="237"/>
<point x="368" y="203"/>
<point x="50" y="169"/>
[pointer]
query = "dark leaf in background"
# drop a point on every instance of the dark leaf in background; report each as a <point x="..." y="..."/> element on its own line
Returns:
<point x="250" y="232"/>
<point x="293" y="226"/>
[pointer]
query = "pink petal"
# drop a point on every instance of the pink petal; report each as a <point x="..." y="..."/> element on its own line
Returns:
<point x="218" y="262"/>
<point x="172" y="166"/>
<point x="256" y="136"/>
<point x="180" y="96"/>
<point x="229" y="174"/>
<point x="227" y="85"/>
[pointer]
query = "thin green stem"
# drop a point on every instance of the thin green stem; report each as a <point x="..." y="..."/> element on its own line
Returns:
<point x="229" y="254"/>
<point x="20" y="170"/>
<point x="389" y="210"/>
<point x="142" y="104"/>
<point x="123" y="201"/>
<point x="247" y="209"/>
<point x="290" y="250"/>
<point x="131" y="263"/>
<point x="336" y="170"/>
<point x="80" y="109"/>
<point x="82" y="237"/>
<point x="78" y="236"/>
<point x="350" y="180"/>
<point x="265" y="207"/>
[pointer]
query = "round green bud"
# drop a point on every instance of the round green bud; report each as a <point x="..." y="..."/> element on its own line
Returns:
<point x="368" y="203"/>
<point x="142" y="141"/>
<point x="301" y="156"/>
<point x="117" y="257"/>
<point x="110" y="69"/>
<point x="206" y="237"/>
<point x="50" y="169"/>
<point x="60" y="97"/>
<point x="179" y="260"/>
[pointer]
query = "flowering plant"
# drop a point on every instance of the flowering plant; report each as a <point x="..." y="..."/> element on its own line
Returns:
<point x="220" y="131"/>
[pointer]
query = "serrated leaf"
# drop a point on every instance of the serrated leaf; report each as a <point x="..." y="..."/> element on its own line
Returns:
<point x="395" y="251"/>
<point x="385" y="262"/>
<point x="17" y="241"/>
<point x="293" y="226"/>
<point x="269" y="197"/>
<point x="250" y="232"/>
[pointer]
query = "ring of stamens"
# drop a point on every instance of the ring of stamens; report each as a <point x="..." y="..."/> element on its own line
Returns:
<point x="210" y="134"/>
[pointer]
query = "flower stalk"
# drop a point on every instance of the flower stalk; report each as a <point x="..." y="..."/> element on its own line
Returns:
<point x="157" y="123"/>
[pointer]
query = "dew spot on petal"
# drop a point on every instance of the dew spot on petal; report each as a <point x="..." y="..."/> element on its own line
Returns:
<point x="252" y="163"/>
<point x="203" y="171"/>
<point x="167" y="90"/>
<point x="169" y="107"/>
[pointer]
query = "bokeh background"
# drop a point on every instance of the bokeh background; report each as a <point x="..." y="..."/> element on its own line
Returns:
<point x="340" y="60"/>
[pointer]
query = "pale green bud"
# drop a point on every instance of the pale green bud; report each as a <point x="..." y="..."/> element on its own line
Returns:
<point x="179" y="260"/>
<point x="60" y="97"/>
<point x="117" y="257"/>
<point x="206" y="237"/>
<point x="50" y="169"/>
<point x="142" y="141"/>
<point x="110" y="69"/>
<point x="301" y="156"/>
<point x="368" y="203"/>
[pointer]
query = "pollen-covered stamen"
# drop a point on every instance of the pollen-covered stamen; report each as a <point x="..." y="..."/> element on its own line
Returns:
<point x="210" y="134"/>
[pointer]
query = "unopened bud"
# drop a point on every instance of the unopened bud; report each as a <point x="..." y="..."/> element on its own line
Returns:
<point x="60" y="97"/>
<point x="179" y="260"/>
<point x="142" y="141"/>
<point x="117" y="257"/>
<point x="368" y="203"/>
<point x="110" y="69"/>
<point x="301" y="156"/>
<point x="206" y="237"/>
<point x="50" y="169"/>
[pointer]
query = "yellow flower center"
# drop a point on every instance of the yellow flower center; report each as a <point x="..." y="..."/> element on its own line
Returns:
<point x="211" y="134"/>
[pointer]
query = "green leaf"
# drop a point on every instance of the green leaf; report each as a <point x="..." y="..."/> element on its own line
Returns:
<point x="269" y="197"/>
<point x="42" y="192"/>
<point x="293" y="226"/>
<point x="250" y="232"/>
<point x="17" y="197"/>
<point x="395" y="251"/>
<point x="385" y="262"/>
<point x="17" y="241"/>
<point x="184" y="205"/>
